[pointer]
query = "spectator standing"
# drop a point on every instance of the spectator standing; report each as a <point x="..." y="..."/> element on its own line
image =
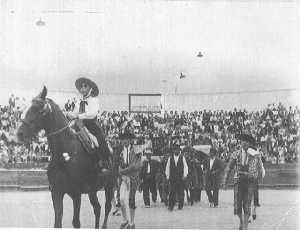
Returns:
<point x="68" y="106"/>
<point x="11" y="101"/>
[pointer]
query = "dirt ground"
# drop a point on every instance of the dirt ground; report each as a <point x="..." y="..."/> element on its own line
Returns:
<point x="279" y="210"/>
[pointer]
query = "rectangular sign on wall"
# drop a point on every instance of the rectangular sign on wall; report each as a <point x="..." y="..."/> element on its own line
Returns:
<point x="145" y="103"/>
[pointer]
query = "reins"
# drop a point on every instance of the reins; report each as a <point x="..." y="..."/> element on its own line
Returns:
<point x="58" y="131"/>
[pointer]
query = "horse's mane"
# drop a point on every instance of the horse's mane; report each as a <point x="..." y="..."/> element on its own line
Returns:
<point x="58" y="117"/>
<point x="56" y="110"/>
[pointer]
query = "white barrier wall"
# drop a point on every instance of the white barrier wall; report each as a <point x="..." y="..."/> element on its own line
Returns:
<point x="228" y="101"/>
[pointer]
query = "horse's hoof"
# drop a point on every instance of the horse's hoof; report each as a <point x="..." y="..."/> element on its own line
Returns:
<point x="76" y="224"/>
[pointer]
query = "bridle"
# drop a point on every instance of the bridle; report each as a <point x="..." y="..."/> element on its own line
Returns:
<point x="44" y="112"/>
<point x="58" y="131"/>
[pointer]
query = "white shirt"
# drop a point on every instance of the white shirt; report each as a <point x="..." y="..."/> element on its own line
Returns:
<point x="211" y="162"/>
<point x="176" y="159"/>
<point x="244" y="157"/>
<point x="91" y="109"/>
<point x="125" y="154"/>
<point x="148" y="169"/>
<point x="185" y="166"/>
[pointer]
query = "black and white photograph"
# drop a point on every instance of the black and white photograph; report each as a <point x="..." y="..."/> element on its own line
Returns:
<point x="150" y="114"/>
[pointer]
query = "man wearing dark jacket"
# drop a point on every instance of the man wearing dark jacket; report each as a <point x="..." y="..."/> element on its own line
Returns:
<point x="213" y="168"/>
<point x="176" y="172"/>
<point x="148" y="173"/>
<point x="197" y="178"/>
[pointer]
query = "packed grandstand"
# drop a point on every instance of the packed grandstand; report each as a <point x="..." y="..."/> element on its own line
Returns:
<point x="276" y="129"/>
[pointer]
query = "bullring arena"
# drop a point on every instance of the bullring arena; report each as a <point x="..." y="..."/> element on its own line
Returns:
<point x="25" y="195"/>
<point x="189" y="111"/>
<point x="279" y="211"/>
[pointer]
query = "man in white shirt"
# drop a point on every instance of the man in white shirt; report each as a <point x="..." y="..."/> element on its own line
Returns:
<point x="176" y="172"/>
<point x="86" y="110"/>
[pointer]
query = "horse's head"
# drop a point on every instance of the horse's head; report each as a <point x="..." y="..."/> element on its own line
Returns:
<point x="34" y="117"/>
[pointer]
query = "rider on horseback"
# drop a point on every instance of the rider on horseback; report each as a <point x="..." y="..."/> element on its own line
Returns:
<point x="86" y="110"/>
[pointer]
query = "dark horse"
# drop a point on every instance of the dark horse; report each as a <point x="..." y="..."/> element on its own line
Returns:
<point x="72" y="170"/>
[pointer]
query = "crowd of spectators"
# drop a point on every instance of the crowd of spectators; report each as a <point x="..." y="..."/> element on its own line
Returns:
<point x="14" y="154"/>
<point x="70" y="105"/>
<point x="275" y="128"/>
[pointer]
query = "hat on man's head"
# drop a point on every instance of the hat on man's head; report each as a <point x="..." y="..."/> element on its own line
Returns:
<point x="92" y="84"/>
<point x="247" y="137"/>
<point x="176" y="146"/>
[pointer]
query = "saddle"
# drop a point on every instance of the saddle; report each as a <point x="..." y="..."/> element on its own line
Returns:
<point x="88" y="140"/>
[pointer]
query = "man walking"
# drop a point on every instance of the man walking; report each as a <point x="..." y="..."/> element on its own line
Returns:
<point x="148" y="175"/>
<point x="213" y="168"/>
<point x="176" y="172"/>
<point x="130" y="167"/>
<point x="246" y="165"/>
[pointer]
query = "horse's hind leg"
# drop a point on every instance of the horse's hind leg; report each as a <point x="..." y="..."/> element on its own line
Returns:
<point x="192" y="195"/>
<point x="109" y="193"/>
<point x="76" y="206"/>
<point x="96" y="206"/>
<point x="57" y="199"/>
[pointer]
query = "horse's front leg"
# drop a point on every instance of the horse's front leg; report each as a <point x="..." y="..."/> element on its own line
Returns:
<point x="96" y="206"/>
<point x="192" y="195"/>
<point x="57" y="199"/>
<point x="76" y="210"/>
<point x="109" y="194"/>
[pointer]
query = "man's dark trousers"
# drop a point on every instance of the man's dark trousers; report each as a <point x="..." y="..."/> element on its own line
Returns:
<point x="213" y="196"/>
<point x="213" y="180"/>
<point x="176" y="191"/>
<point x="255" y="194"/>
<point x="176" y="183"/>
<point x="149" y="185"/>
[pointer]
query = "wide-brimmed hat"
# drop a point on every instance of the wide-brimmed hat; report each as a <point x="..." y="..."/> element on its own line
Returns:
<point x="248" y="138"/>
<point x="92" y="84"/>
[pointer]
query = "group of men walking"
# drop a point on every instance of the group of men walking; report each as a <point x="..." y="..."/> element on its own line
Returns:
<point x="246" y="163"/>
<point x="181" y="174"/>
